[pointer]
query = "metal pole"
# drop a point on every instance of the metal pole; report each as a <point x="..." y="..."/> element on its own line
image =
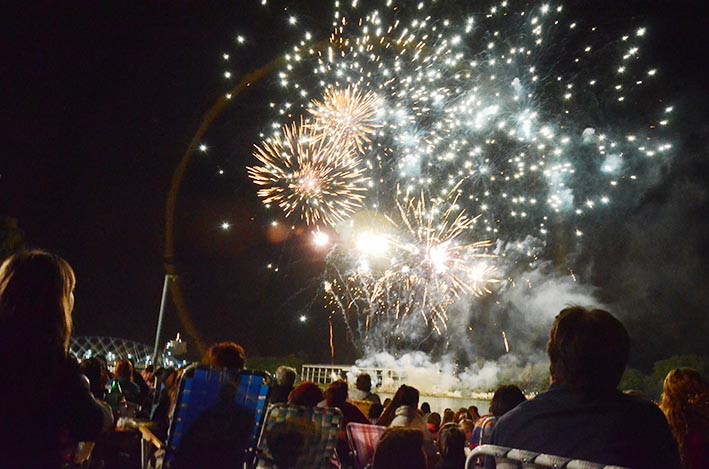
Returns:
<point x="168" y="277"/>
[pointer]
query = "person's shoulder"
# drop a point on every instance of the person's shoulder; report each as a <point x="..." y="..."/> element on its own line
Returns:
<point x="401" y="418"/>
<point x="541" y="400"/>
<point x="648" y="424"/>
<point x="635" y="404"/>
<point x="357" y="394"/>
<point x="526" y="409"/>
<point x="70" y="373"/>
<point x="405" y="411"/>
<point x="132" y="385"/>
<point x="348" y="406"/>
<point x="641" y="410"/>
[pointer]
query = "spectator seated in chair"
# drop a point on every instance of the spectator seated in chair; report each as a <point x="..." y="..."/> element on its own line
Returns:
<point x="452" y="443"/>
<point x="685" y="402"/>
<point x="400" y="447"/>
<point x="583" y="415"/>
<point x="306" y="394"/>
<point x="285" y="379"/>
<point x="403" y="412"/>
<point x="364" y="390"/>
<point x="219" y="437"/>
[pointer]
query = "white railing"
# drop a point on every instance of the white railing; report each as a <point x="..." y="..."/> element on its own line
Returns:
<point x="382" y="378"/>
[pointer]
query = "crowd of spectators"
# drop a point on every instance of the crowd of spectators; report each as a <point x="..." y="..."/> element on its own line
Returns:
<point x="52" y="402"/>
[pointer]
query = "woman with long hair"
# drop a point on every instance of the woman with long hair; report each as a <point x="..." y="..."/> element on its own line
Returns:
<point x="402" y="411"/>
<point x="46" y="405"/>
<point x="405" y="396"/>
<point x="452" y="443"/>
<point x="685" y="402"/>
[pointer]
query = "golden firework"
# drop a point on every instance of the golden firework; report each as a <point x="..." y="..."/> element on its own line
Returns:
<point x="443" y="263"/>
<point x="348" y="114"/>
<point x="310" y="174"/>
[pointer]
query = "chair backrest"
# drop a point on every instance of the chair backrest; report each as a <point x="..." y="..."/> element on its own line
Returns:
<point x="199" y="391"/>
<point x="481" y="435"/>
<point x="488" y="423"/>
<point x="363" y="406"/>
<point x="510" y="458"/>
<point x="476" y="459"/>
<point x="298" y="437"/>
<point x="363" y="440"/>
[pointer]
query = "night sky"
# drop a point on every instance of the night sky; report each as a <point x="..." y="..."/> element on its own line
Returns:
<point x="100" y="102"/>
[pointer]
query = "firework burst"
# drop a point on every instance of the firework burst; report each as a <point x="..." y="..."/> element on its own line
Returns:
<point x="310" y="175"/>
<point x="422" y="266"/>
<point x="530" y="116"/>
<point x="437" y="235"/>
<point x="546" y="116"/>
<point x="348" y="114"/>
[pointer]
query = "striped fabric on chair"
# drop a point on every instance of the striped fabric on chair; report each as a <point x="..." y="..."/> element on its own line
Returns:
<point x="363" y="441"/>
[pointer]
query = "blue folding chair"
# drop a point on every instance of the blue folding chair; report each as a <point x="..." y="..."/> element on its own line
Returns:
<point x="200" y="390"/>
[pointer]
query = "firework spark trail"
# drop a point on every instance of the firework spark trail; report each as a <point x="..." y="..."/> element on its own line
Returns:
<point x="448" y="265"/>
<point x="438" y="236"/>
<point x="432" y="264"/>
<point x="532" y="117"/>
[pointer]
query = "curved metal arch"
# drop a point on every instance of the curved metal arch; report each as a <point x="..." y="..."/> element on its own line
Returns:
<point x="112" y="348"/>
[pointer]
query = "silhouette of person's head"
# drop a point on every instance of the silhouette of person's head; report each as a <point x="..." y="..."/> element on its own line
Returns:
<point x="400" y="447"/>
<point x="36" y="300"/>
<point x="588" y="350"/>
<point x="506" y="398"/>
<point x="226" y="354"/>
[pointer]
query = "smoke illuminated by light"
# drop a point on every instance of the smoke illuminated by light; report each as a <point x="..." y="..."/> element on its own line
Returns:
<point x="452" y="94"/>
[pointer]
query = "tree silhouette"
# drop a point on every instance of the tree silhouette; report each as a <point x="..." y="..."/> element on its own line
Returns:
<point x="12" y="239"/>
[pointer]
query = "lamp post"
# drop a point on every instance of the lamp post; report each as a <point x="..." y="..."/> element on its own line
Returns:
<point x="158" y="330"/>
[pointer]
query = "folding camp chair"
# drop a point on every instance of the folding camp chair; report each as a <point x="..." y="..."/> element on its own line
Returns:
<point x="199" y="391"/>
<point x="298" y="437"/>
<point x="510" y="458"/>
<point x="481" y="435"/>
<point x="482" y="430"/>
<point x="363" y="440"/>
<point x="363" y="406"/>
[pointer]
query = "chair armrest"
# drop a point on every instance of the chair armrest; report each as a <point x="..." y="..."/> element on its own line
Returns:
<point x="485" y="450"/>
<point x="150" y="437"/>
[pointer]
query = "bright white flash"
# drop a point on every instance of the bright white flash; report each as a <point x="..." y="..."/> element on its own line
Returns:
<point x="438" y="257"/>
<point x="320" y="239"/>
<point x="372" y="244"/>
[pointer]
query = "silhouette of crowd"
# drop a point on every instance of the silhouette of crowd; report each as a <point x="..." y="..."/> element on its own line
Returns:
<point x="55" y="409"/>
